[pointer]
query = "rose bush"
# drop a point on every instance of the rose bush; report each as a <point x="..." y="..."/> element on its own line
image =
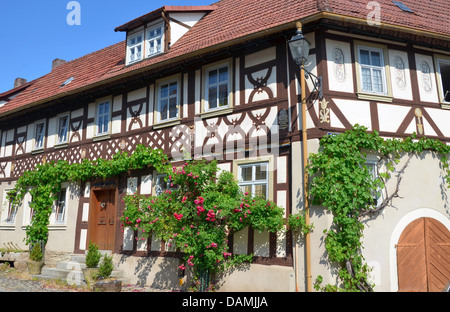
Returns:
<point x="198" y="213"/>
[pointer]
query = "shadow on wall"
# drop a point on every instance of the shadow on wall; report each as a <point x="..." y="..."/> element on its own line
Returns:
<point x="156" y="272"/>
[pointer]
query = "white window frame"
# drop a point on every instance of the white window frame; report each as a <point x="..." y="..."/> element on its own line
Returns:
<point x="372" y="68"/>
<point x="159" y="99"/>
<point x="149" y="40"/>
<point x="386" y="95"/>
<point x="58" y="134"/>
<point x="39" y="137"/>
<point x="64" y="189"/>
<point x="135" y="46"/>
<point x="207" y="85"/>
<point x="102" y="115"/>
<point x="8" y="218"/>
<point x="438" y="61"/>
<point x="253" y="182"/>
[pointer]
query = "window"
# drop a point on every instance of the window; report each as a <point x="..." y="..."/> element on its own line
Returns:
<point x="373" y="171"/>
<point x="135" y="47"/>
<point x="217" y="88"/>
<point x="155" y="40"/>
<point x="63" y="127"/>
<point x="372" y="70"/>
<point x="10" y="211"/>
<point x="444" y="75"/>
<point x="254" y="179"/>
<point x="161" y="184"/>
<point x="60" y="210"/>
<point x="39" y="132"/>
<point x="103" y="118"/>
<point x="167" y="101"/>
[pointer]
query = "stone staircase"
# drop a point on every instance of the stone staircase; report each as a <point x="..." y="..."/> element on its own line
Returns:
<point x="71" y="271"/>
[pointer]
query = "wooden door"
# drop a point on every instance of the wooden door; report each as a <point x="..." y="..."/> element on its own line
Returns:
<point x="423" y="256"/>
<point x="103" y="219"/>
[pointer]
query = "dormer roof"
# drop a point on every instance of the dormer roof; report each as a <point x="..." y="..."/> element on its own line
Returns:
<point x="149" y="17"/>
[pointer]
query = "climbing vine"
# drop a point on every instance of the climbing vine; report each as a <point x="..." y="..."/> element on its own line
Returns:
<point x="196" y="215"/>
<point x="342" y="183"/>
<point x="44" y="183"/>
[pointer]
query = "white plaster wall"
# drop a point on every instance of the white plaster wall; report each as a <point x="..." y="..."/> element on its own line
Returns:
<point x="345" y="82"/>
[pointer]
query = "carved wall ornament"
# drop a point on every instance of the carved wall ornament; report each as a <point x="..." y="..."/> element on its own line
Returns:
<point x="418" y="113"/>
<point x="324" y="113"/>
<point x="400" y="77"/>
<point x="426" y="77"/>
<point x="283" y="119"/>
<point x="260" y="84"/>
<point x="339" y="65"/>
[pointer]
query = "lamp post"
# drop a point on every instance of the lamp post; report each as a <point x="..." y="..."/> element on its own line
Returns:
<point x="299" y="47"/>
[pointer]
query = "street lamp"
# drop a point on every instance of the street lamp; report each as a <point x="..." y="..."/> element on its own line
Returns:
<point x="299" y="47"/>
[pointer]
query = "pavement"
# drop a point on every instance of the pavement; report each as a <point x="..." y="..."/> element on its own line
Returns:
<point x="13" y="282"/>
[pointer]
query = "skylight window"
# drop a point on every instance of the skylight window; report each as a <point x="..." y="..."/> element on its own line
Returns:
<point x="65" y="83"/>
<point x="402" y="6"/>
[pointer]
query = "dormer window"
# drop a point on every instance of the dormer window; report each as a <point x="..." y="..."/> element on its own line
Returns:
<point x="135" y="47"/>
<point x="155" y="40"/>
<point x="153" y="33"/>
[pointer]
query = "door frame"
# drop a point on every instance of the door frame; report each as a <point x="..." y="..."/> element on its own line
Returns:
<point x="398" y="230"/>
<point x="106" y="186"/>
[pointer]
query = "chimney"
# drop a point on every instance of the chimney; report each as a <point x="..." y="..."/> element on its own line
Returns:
<point x="57" y="62"/>
<point x="19" y="82"/>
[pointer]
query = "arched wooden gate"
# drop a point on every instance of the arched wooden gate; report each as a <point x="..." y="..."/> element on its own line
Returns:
<point x="423" y="256"/>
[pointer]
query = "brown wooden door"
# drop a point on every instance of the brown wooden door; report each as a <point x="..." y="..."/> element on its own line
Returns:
<point x="423" y="256"/>
<point x="103" y="219"/>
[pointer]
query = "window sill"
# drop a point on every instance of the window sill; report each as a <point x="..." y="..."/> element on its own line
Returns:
<point x="7" y="227"/>
<point x="375" y="97"/>
<point x="37" y="151"/>
<point x="164" y="124"/>
<point x="61" y="145"/>
<point x="57" y="227"/>
<point x="217" y="112"/>
<point x="101" y="137"/>
<point x="445" y="105"/>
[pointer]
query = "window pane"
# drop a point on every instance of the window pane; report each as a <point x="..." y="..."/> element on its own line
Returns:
<point x="106" y="109"/>
<point x="212" y="97"/>
<point x="61" y="206"/>
<point x="366" y="79"/>
<point x="213" y="77"/>
<point x="62" y="129"/>
<point x="364" y="57"/>
<point x="173" y="89"/>
<point x="261" y="190"/>
<point x="223" y="95"/>
<point x="261" y="172"/>
<point x="163" y="109"/>
<point x="376" y="58"/>
<point x="377" y="80"/>
<point x="173" y="111"/>
<point x="223" y="74"/>
<point x="164" y="91"/>
<point x="246" y="173"/>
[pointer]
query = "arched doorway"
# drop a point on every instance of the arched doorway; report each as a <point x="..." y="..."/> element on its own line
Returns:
<point x="423" y="256"/>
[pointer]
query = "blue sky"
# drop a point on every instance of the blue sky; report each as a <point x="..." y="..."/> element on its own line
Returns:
<point x="33" y="33"/>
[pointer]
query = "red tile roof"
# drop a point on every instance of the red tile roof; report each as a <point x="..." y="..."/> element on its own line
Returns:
<point x="229" y="22"/>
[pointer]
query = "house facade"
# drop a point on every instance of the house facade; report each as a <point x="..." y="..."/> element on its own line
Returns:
<point x="219" y="82"/>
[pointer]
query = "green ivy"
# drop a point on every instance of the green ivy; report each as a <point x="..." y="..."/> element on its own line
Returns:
<point x="341" y="182"/>
<point x="44" y="183"/>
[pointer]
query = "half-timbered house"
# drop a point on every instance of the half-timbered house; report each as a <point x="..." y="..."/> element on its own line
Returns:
<point x="219" y="82"/>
